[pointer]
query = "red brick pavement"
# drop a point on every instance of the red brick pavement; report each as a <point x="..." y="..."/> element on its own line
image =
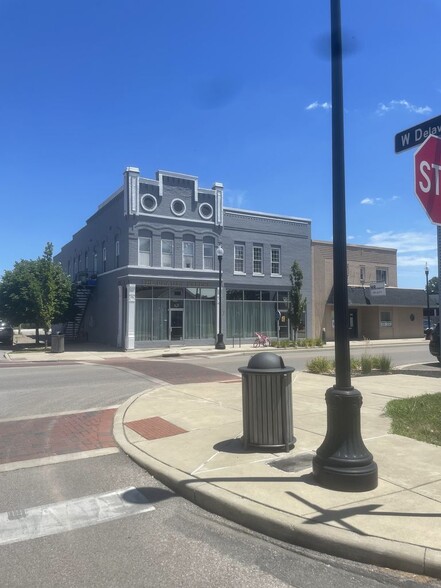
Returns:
<point x="57" y="435"/>
<point x="155" y="428"/>
<point x="172" y="372"/>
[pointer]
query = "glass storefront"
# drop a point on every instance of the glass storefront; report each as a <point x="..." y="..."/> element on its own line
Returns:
<point x="189" y="314"/>
<point x="174" y="314"/>
<point x="251" y="311"/>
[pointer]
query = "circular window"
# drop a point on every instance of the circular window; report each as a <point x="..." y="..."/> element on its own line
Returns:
<point x="149" y="202"/>
<point x="206" y="210"/>
<point x="178" y="207"/>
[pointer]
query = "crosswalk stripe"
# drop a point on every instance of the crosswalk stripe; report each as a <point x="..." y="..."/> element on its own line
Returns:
<point x="59" y="517"/>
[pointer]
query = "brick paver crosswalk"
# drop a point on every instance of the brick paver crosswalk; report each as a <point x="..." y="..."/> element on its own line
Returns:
<point x="55" y="435"/>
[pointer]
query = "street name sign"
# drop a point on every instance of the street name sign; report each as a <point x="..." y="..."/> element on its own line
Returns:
<point x="417" y="134"/>
<point x="427" y="177"/>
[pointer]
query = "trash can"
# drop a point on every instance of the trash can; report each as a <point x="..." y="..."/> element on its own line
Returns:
<point x="267" y="402"/>
<point x="57" y="343"/>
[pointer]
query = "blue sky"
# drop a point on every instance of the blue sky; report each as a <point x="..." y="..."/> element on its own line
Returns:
<point x="233" y="91"/>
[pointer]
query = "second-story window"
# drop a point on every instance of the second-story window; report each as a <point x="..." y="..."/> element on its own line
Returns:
<point x="86" y="261"/>
<point x="167" y="253"/>
<point x="95" y="263"/>
<point x="381" y="275"/>
<point x="208" y="256"/>
<point x="104" y="254"/>
<point x="117" y="253"/>
<point x="239" y="259"/>
<point x="188" y="254"/>
<point x="144" y="251"/>
<point x="275" y="261"/>
<point x="257" y="260"/>
<point x="362" y="274"/>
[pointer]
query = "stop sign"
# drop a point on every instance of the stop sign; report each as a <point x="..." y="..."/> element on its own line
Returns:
<point x="427" y="177"/>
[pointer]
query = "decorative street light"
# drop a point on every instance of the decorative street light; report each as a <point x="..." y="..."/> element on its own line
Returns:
<point x="220" y="338"/>
<point x="426" y="271"/>
<point x="342" y="461"/>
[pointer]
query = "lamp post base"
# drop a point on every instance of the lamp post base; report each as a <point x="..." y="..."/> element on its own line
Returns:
<point x="342" y="461"/>
<point x="220" y="342"/>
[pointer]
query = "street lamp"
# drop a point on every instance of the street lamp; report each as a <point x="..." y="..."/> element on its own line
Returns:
<point x="426" y="271"/>
<point x="220" y="338"/>
<point x="342" y="462"/>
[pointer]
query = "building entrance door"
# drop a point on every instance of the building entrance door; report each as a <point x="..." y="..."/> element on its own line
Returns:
<point x="176" y="324"/>
<point x="353" y="324"/>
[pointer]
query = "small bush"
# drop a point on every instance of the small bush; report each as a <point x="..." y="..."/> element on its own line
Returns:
<point x="320" y="365"/>
<point x="355" y="364"/>
<point x="383" y="363"/>
<point x="366" y="364"/>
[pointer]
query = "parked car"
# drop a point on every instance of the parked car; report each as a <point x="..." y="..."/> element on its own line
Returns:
<point x="434" y="343"/>
<point x="6" y="332"/>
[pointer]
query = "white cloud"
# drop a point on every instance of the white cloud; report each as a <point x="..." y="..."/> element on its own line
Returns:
<point x="315" y="105"/>
<point x="419" y="261"/>
<point x="406" y="242"/>
<point x="377" y="200"/>
<point x="393" y="104"/>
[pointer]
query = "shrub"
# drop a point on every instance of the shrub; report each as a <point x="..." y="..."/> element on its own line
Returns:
<point x="355" y="364"/>
<point x="366" y="364"/>
<point x="383" y="363"/>
<point x="320" y="365"/>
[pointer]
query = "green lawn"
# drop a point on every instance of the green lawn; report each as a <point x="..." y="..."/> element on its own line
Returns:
<point x="418" y="417"/>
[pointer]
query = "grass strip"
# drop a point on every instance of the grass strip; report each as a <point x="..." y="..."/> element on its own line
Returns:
<point x="418" y="417"/>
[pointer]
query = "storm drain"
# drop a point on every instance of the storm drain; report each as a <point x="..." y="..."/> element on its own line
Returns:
<point x="294" y="463"/>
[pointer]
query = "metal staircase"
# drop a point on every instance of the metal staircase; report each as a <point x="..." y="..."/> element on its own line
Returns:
<point x="73" y="328"/>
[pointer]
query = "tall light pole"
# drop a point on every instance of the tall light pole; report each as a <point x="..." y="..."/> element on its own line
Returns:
<point x="220" y="338"/>
<point x="342" y="461"/>
<point x="426" y="271"/>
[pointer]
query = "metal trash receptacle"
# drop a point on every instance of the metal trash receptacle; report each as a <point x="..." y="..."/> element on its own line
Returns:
<point x="57" y="343"/>
<point x="267" y="402"/>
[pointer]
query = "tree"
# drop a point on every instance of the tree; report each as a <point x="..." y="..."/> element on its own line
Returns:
<point x="36" y="291"/>
<point x="433" y="285"/>
<point x="296" y="302"/>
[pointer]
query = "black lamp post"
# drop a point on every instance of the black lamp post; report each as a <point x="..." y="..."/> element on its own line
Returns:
<point x="342" y="461"/>
<point x="220" y="338"/>
<point x="426" y="271"/>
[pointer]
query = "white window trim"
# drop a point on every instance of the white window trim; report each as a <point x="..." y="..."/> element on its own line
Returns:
<point x="211" y="257"/>
<point x="149" y="252"/>
<point x="149" y="208"/>
<point x="182" y="202"/>
<point x="184" y="255"/>
<point x="171" y="254"/>
<point x="205" y="216"/>
<point x="238" y="272"/>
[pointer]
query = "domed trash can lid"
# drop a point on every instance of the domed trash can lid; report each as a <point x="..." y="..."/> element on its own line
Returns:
<point x="266" y="361"/>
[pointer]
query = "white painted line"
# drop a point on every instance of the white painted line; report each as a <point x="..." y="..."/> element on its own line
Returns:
<point x="54" y="459"/>
<point x="25" y="524"/>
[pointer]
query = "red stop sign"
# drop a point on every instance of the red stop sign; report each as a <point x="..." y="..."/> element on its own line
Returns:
<point x="428" y="177"/>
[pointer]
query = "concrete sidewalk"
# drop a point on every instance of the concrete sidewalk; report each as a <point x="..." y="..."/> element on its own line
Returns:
<point x="188" y="436"/>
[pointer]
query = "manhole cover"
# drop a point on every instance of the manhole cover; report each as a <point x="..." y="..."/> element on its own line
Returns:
<point x="295" y="463"/>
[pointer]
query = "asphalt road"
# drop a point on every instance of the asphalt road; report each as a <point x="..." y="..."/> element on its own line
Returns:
<point x="416" y="355"/>
<point x="175" y="544"/>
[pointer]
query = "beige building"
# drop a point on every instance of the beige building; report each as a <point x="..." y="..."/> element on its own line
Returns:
<point x="374" y="312"/>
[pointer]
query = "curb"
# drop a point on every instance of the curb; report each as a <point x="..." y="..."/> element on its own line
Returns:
<point x="280" y="525"/>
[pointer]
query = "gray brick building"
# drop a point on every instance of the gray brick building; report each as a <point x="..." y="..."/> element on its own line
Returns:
<point x="147" y="270"/>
